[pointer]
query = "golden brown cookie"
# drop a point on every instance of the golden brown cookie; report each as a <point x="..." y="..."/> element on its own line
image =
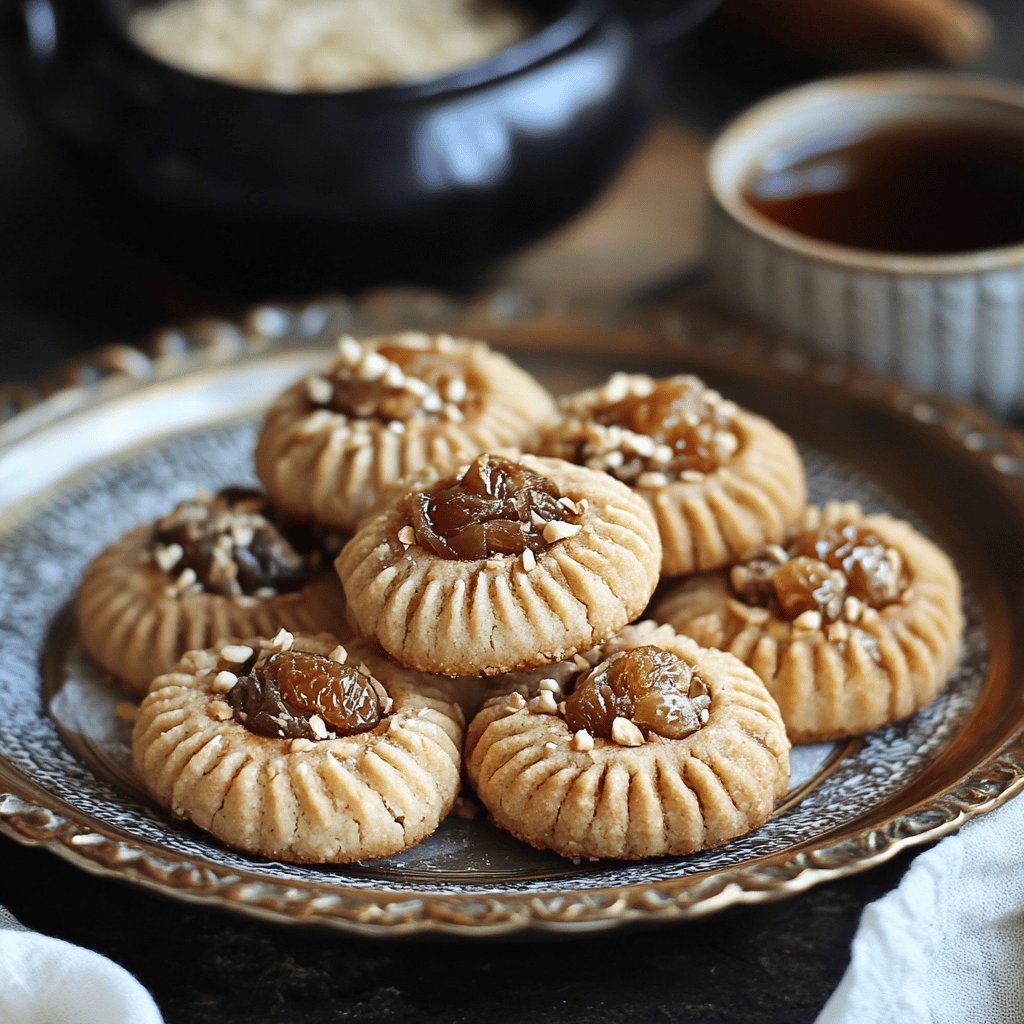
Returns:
<point x="648" y="745"/>
<point x="855" y="623"/>
<point x="387" y="409"/>
<point x="508" y="565"/>
<point x="721" y="481"/>
<point x="213" y="568"/>
<point x="300" y="750"/>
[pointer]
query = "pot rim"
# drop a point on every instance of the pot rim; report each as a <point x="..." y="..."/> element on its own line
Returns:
<point x="574" y="23"/>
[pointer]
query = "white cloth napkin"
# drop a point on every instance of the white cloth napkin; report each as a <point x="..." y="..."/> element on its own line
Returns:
<point x="47" y="981"/>
<point x="947" y="945"/>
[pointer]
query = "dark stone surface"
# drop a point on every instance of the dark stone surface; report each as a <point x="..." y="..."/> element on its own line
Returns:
<point x="770" y="964"/>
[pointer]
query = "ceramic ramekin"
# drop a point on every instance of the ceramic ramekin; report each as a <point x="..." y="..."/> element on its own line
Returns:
<point x="952" y="323"/>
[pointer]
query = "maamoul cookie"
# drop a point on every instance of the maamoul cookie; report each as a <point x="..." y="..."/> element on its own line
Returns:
<point x="389" y="408"/>
<point x="854" y="624"/>
<point x="507" y="565"/>
<point x="214" y="567"/>
<point x="648" y="745"/>
<point x="721" y="481"/>
<point x="299" y="750"/>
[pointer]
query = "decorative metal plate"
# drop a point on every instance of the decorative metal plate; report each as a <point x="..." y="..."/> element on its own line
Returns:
<point x="122" y="436"/>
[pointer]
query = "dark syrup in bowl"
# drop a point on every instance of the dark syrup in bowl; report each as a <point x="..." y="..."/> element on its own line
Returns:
<point x="923" y="187"/>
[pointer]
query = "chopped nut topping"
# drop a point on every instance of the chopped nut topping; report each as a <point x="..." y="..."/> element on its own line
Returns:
<point x="517" y="701"/>
<point x="395" y="380"/>
<point x="550" y="746"/>
<point x="582" y="740"/>
<point x="319" y="390"/>
<point x="300" y="745"/>
<point x="238" y="654"/>
<point x="168" y="556"/>
<point x="826" y="574"/>
<point x="554" y="531"/>
<point x="529" y="560"/>
<point x="231" y="544"/>
<point x="407" y="536"/>
<point x="544" y="703"/>
<point x="551" y="685"/>
<point x="652" y="479"/>
<point x="339" y="654"/>
<point x="223" y="681"/>
<point x="649" y="432"/>
<point x="626" y="734"/>
<point x="282" y="641"/>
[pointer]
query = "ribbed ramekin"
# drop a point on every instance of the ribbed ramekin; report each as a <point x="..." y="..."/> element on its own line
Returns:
<point x="952" y="323"/>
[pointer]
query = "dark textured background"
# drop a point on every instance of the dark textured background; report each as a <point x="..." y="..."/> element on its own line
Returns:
<point x="68" y="283"/>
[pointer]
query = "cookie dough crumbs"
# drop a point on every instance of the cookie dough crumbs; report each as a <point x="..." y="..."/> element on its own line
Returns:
<point x="838" y="632"/>
<point x="468" y="810"/>
<point x="220" y="710"/>
<point x="126" y="711"/>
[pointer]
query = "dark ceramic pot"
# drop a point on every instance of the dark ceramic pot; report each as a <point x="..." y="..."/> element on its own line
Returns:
<point x="422" y="180"/>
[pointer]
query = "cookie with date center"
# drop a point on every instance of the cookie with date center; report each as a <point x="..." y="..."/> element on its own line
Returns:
<point x="721" y="481"/>
<point x="647" y="745"/>
<point x="507" y="565"/>
<point x="300" y="750"/>
<point x="854" y="623"/>
<point x="214" y="567"/>
<point x="390" y="408"/>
